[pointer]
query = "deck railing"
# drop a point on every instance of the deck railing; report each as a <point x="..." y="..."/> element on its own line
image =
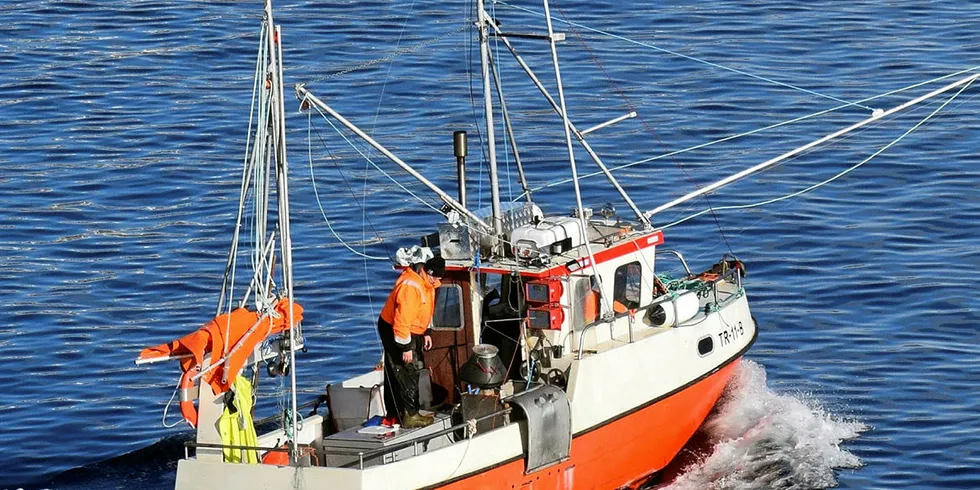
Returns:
<point x="733" y="276"/>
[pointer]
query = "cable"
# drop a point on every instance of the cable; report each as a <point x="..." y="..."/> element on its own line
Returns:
<point x="697" y="60"/>
<point x="758" y="130"/>
<point x="317" y="194"/>
<point x="394" y="54"/>
<point x="838" y="175"/>
<point x="166" y="408"/>
<point x="359" y="151"/>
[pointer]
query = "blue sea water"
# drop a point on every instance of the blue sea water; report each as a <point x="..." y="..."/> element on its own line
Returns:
<point x="123" y="126"/>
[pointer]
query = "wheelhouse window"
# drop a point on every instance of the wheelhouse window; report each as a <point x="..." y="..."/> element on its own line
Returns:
<point x="448" y="314"/>
<point x="626" y="287"/>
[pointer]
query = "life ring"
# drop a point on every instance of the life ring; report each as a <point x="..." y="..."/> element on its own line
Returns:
<point x="187" y="396"/>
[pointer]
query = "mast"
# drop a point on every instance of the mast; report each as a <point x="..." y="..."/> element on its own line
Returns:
<point x="567" y="125"/>
<point x="482" y="21"/>
<point x="282" y="198"/>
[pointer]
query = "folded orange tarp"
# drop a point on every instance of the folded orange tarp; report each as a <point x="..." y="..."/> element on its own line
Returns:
<point x="211" y="338"/>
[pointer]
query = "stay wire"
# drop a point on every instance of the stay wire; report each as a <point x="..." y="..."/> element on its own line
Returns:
<point x="350" y="188"/>
<point x="697" y="60"/>
<point x="494" y="72"/>
<point x="377" y="114"/>
<point x="389" y="57"/>
<point x="376" y="167"/>
<point x="839" y="174"/>
<point x="643" y="121"/>
<point x="758" y="130"/>
<point x="316" y="193"/>
<point x="476" y="117"/>
<point x="473" y="229"/>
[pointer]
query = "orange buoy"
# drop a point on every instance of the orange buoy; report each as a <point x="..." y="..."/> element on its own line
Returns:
<point x="187" y="396"/>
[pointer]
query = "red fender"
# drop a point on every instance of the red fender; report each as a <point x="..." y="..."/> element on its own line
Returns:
<point x="187" y="396"/>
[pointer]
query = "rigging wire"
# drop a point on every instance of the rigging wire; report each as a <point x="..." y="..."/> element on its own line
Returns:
<point x="391" y="56"/>
<point x="484" y="160"/>
<point x="495" y="72"/>
<point x="316" y="193"/>
<point x="376" y="167"/>
<point x="695" y="59"/>
<point x="350" y="188"/>
<point x="374" y="124"/>
<point x="475" y="230"/>
<point x="643" y="121"/>
<point x="758" y="130"/>
<point x="839" y="174"/>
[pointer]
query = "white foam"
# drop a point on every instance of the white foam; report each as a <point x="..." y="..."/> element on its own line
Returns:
<point x="759" y="439"/>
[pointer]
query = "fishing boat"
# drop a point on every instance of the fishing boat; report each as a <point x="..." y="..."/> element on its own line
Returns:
<point x="563" y="357"/>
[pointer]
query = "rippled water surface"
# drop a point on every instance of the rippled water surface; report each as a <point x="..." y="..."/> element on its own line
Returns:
<point x="123" y="125"/>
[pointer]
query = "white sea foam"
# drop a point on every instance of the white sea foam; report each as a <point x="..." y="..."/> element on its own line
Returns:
<point x="760" y="439"/>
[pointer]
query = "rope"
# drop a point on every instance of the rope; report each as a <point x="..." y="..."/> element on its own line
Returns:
<point x="166" y="408"/>
<point x="697" y="60"/>
<point x="316" y="193"/>
<point x="838" y="175"/>
<point x="363" y="155"/>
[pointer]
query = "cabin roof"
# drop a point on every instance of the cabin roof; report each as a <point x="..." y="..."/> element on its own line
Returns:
<point x="607" y="243"/>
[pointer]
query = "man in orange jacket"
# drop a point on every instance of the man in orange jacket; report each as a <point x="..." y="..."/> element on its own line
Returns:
<point x="403" y="327"/>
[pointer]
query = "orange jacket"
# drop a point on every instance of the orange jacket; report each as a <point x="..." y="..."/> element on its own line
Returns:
<point x="410" y="306"/>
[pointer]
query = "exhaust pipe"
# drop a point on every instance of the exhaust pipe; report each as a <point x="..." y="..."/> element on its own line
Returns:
<point x="459" y="149"/>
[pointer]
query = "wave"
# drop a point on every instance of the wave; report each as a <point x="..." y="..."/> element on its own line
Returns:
<point x="759" y="439"/>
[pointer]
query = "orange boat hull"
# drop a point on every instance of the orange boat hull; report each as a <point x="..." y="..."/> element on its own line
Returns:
<point x="620" y="453"/>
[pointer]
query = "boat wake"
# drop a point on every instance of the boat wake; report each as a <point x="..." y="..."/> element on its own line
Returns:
<point x="759" y="439"/>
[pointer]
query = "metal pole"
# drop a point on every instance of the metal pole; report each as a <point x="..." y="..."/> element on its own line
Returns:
<point x="282" y="174"/>
<point x="459" y="150"/>
<point x="305" y="94"/>
<point x="571" y="153"/>
<point x="789" y="154"/>
<point x="287" y="243"/>
<point x="510" y="131"/>
<point x="482" y="22"/>
<point x="578" y="134"/>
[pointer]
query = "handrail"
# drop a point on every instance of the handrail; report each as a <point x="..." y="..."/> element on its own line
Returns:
<point x="402" y="445"/>
<point x="662" y="299"/>
<point x="351" y="452"/>
<point x="680" y="257"/>
<point x="614" y="317"/>
<point x="211" y="445"/>
<point x="738" y="283"/>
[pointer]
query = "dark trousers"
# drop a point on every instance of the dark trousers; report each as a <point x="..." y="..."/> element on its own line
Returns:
<point x="401" y="379"/>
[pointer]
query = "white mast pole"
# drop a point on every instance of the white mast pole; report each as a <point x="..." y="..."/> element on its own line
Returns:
<point x="567" y="124"/>
<point x="482" y="21"/>
<point x="275" y="52"/>
<point x="789" y="154"/>
<point x="580" y="135"/>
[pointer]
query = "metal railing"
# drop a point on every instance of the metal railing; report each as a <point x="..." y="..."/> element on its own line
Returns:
<point x="677" y="254"/>
<point x="362" y="455"/>
<point x="368" y="455"/>
<point x="718" y="302"/>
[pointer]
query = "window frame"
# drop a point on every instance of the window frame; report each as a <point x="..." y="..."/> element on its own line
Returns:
<point x="625" y="275"/>
<point x="436" y="309"/>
